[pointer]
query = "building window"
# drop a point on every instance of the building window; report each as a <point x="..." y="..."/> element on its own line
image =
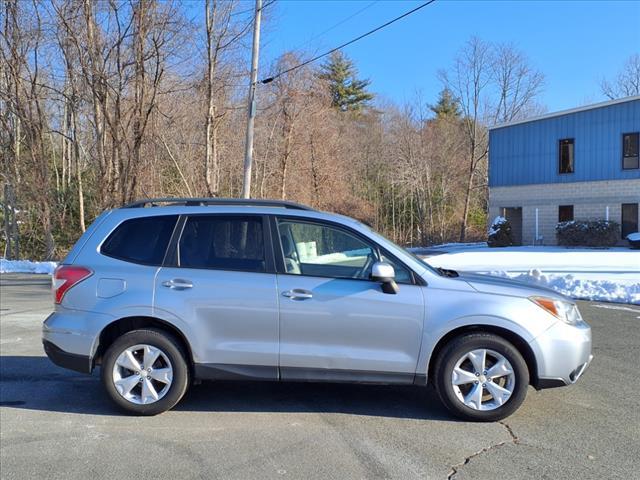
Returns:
<point x="566" y="156"/>
<point x="630" y="148"/>
<point x="629" y="218"/>
<point x="565" y="213"/>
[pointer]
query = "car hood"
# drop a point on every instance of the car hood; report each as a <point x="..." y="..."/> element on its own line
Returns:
<point x="506" y="286"/>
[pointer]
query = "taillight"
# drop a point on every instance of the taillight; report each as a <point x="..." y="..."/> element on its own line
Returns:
<point x="67" y="276"/>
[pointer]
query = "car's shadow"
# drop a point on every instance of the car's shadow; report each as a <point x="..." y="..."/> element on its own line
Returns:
<point x="34" y="383"/>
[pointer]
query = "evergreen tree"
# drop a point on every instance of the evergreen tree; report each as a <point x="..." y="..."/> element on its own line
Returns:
<point x="447" y="106"/>
<point x="348" y="93"/>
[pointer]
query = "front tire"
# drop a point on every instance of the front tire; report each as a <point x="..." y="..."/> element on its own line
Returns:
<point x="481" y="377"/>
<point x="145" y="372"/>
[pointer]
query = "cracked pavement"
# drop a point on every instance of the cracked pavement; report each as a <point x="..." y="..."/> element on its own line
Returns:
<point x="59" y="424"/>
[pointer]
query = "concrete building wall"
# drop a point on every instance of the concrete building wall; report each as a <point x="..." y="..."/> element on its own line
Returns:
<point x="589" y="200"/>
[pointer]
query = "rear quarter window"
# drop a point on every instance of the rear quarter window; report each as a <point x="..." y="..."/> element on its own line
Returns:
<point x="140" y="240"/>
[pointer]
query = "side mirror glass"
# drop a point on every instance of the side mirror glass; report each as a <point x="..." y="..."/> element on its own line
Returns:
<point x="384" y="273"/>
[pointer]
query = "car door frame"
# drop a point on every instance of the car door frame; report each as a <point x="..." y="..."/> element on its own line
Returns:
<point x="344" y="375"/>
<point x="205" y="371"/>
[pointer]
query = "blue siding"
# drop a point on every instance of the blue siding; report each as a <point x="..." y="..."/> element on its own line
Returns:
<point x="527" y="153"/>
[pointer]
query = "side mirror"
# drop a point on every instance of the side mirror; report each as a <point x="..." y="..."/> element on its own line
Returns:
<point x="383" y="273"/>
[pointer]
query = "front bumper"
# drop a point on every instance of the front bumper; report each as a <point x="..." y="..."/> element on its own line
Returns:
<point x="563" y="353"/>
<point x="72" y="361"/>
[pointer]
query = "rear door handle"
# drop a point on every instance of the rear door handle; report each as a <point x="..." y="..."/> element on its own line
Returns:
<point x="298" y="294"/>
<point x="178" y="284"/>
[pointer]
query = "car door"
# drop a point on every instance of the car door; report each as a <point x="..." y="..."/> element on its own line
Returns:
<point x="220" y="280"/>
<point x="335" y="323"/>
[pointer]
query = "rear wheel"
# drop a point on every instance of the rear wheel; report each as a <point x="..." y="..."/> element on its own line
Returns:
<point x="481" y="377"/>
<point x="145" y="372"/>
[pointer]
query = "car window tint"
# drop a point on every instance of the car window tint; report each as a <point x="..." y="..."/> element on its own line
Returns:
<point x="141" y="240"/>
<point x="321" y="250"/>
<point x="403" y="275"/>
<point x="223" y="243"/>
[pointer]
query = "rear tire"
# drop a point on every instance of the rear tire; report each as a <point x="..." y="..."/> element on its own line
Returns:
<point x="145" y="372"/>
<point x="468" y="384"/>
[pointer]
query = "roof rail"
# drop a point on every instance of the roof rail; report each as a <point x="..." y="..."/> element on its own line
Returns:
<point x="200" y="202"/>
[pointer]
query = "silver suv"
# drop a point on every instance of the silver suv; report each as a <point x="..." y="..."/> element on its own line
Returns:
<point x="165" y="292"/>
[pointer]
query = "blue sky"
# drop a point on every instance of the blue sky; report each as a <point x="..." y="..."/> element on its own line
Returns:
<point x="573" y="43"/>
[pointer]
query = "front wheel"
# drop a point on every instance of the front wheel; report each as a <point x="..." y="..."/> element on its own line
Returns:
<point x="145" y="372"/>
<point x="481" y="377"/>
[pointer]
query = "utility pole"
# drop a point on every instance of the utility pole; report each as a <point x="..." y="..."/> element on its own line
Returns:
<point x="248" y="148"/>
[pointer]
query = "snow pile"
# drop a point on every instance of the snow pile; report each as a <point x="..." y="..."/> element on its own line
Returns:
<point x="495" y="226"/>
<point x="26" y="266"/>
<point x="602" y="274"/>
<point x="605" y="290"/>
<point x="481" y="258"/>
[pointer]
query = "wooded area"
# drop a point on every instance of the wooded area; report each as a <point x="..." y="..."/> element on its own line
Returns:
<point x="103" y="102"/>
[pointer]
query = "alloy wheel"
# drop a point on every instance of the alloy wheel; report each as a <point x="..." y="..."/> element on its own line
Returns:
<point x="142" y="374"/>
<point x="483" y="379"/>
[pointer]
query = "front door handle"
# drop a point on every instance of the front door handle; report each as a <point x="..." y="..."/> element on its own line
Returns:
<point x="298" y="294"/>
<point x="178" y="284"/>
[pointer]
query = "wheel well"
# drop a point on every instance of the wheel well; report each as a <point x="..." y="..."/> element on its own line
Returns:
<point x="517" y="341"/>
<point x="118" y="328"/>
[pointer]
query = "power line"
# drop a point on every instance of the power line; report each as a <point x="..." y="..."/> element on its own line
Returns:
<point x="271" y="79"/>
<point x="344" y="20"/>
<point x="252" y="9"/>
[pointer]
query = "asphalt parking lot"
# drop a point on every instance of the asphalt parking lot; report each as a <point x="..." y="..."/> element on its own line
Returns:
<point x="58" y="424"/>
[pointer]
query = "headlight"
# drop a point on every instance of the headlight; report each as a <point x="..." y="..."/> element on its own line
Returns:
<point x="565" y="311"/>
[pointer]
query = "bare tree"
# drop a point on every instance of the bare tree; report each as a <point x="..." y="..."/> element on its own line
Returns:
<point x="222" y="35"/>
<point x="469" y="80"/>
<point x="26" y="99"/>
<point x="492" y="84"/>
<point x="102" y="101"/>
<point x="517" y="82"/>
<point x="626" y="83"/>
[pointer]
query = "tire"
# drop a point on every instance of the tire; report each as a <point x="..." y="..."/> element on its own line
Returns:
<point x="488" y="391"/>
<point x="167" y="376"/>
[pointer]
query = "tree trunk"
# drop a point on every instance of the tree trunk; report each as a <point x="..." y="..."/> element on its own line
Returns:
<point x="211" y="136"/>
<point x="284" y="162"/>
<point x="467" y="202"/>
<point x="76" y="154"/>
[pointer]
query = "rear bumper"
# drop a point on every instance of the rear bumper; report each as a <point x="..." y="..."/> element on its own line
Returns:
<point x="72" y="361"/>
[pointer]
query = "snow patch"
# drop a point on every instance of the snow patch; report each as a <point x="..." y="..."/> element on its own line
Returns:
<point x="605" y="290"/>
<point x="602" y="274"/>
<point x="634" y="237"/>
<point x="26" y="266"/>
<point x="495" y="226"/>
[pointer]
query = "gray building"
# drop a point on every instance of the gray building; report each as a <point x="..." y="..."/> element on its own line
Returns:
<point x="578" y="164"/>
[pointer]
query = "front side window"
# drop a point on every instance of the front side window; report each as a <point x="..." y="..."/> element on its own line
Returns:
<point x="403" y="275"/>
<point x="222" y="243"/>
<point x="630" y="151"/>
<point x="565" y="213"/>
<point x="323" y="251"/>
<point x="629" y="218"/>
<point x="140" y="240"/>
<point x="567" y="156"/>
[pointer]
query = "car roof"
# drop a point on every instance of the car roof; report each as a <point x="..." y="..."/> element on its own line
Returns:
<point x="157" y="207"/>
<point x="211" y="201"/>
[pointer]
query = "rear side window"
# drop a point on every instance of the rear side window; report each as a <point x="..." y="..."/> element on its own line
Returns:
<point x="222" y="243"/>
<point x="140" y="240"/>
